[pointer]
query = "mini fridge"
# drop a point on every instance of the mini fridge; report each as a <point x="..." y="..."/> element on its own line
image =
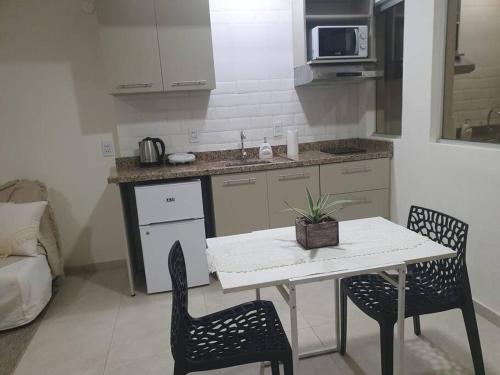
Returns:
<point x="167" y="213"/>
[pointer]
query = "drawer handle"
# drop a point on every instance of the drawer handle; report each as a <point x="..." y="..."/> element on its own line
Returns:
<point x="297" y="176"/>
<point x="243" y="181"/>
<point x="189" y="83"/>
<point x="356" y="170"/>
<point x="134" y="86"/>
<point x="358" y="202"/>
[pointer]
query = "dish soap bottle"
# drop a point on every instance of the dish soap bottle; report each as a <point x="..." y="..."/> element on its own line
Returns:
<point x="265" y="151"/>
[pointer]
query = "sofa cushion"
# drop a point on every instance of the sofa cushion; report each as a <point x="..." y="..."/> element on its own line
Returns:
<point x="25" y="289"/>
<point x="20" y="226"/>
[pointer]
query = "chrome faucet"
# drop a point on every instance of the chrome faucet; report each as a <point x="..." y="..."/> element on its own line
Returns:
<point x="490" y="114"/>
<point x="243" y="152"/>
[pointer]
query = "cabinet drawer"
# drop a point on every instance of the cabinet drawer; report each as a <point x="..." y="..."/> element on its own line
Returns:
<point x="169" y="202"/>
<point x="371" y="203"/>
<point x="240" y="203"/>
<point x="290" y="185"/>
<point x="355" y="176"/>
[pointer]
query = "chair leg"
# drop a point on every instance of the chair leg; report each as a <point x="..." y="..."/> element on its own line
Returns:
<point x="288" y="365"/>
<point x="473" y="336"/>
<point x="343" y="319"/>
<point x="275" y="367"/>
<point x="179" y="370"/>
<point x="387" y="347"/>
<point x="416" y="325"/>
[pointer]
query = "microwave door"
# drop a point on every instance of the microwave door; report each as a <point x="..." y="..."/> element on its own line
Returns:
<point x="338" y="42"/>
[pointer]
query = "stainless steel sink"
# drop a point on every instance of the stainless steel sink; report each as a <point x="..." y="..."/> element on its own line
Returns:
<point x="237" y="163"/>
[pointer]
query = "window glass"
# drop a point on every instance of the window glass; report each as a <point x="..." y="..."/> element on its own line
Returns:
<point x="390" y="37"/>
<point x="472" y="83"/>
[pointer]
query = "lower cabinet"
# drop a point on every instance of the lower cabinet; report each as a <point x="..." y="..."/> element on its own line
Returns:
<point x="368" y="204"/>
<point x="240" y="203"/>
<point x="366" y="182"/>
<point x="246" y="202"/>
<point x="290" y="185"/>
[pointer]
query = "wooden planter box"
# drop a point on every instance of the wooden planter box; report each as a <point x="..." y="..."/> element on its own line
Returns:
<point x="313" y="236"/>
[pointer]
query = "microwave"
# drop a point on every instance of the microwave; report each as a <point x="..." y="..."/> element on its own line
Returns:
<point x="339" y="42"/>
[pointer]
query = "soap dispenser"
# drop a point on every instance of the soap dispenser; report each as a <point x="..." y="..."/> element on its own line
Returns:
<point x="265" y="151"/>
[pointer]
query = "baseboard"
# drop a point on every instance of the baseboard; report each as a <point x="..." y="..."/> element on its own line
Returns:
<point x="94" y="267"/>
<point x="487" y="313"/>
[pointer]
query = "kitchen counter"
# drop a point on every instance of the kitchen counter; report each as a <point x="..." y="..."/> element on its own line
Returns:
<point x="128" y="170"/>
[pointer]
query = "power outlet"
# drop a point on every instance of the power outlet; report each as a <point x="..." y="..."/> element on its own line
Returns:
<point x="107" y="148"/>
<point x="193" y="135"/>
<point x="277" y="128"/>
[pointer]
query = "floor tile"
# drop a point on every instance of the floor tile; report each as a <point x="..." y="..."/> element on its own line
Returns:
<point x="94" y="327"/>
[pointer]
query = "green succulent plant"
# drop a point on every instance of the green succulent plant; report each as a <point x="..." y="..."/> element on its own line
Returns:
<point x="318" y="211"/>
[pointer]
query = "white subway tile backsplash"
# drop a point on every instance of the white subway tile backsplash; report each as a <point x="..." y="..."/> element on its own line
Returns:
<point x="249" y="86"/>
<point x="270" y="85"/>
<point x="270" y="109"/>
<point x="254" y="68"/>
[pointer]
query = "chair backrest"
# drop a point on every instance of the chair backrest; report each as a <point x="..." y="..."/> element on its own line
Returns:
<point x="447" y="274"/>
<point x="180" y="315"/>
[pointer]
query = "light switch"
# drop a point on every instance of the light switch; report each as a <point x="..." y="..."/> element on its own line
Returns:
<point x="193" y="135"/>
<point x="107" y="149"/>
<point x="277" y="128"/>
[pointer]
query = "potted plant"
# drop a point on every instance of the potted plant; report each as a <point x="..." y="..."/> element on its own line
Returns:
<point x="315" y="227"/>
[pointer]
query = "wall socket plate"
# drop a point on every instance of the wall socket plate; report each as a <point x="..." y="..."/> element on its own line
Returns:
<point x="107" y="148"/>
<point x="193" y="135"/>
<point x="278" y="128"/>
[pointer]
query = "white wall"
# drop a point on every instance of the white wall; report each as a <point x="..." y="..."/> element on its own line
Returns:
<point x="457" y="178"/>
<point x="54" y="112"/>
<point x="254" y="71"/>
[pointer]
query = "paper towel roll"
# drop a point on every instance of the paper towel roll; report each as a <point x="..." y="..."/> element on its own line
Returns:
<point x="292" y="143"/>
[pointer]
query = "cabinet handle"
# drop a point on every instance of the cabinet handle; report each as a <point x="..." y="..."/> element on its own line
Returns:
<point x="297" y="176"/>
<point x="134" y="86"/>
<point x="243" y="181"/>
<point x="356" y="170"/>
<point x="189" y="83"/>
<point x="359" y="202"/>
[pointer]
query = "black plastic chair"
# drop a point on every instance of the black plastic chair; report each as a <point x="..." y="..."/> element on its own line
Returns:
<point x="431" y="287"/>
<point x="248" y="333"/>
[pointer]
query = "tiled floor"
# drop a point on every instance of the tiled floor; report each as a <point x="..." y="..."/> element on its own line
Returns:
<point x="94" y="327"/>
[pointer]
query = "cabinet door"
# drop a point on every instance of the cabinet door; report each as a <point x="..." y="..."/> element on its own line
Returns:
<point x="240" y="203"/>
<point x="290" y="185"/>
<point x="185" y="38"/>
<point x="130" y="45"/>
<point x="367" y="204"/>
<point x="355" y="176"/>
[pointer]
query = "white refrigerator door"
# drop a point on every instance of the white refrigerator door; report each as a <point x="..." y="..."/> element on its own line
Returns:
<point x="169" y="202"/>
<point x="157" y="240"/>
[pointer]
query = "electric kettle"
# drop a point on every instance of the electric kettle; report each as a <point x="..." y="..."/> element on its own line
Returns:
<point x="149" y="152"/>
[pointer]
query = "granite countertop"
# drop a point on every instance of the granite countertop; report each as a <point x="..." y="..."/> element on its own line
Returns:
<point x="128" y="170"/>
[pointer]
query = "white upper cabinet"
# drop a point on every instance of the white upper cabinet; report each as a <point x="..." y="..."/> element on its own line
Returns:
<point x="185" y="39"/>
<point x="130" y="45"/>
<point x="157" y="45"/>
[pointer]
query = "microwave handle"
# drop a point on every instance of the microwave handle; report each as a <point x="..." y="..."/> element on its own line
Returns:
<point x="356" y="31"/>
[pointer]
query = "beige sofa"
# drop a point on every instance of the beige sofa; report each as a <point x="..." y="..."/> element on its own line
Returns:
<point x="26" y="282"/>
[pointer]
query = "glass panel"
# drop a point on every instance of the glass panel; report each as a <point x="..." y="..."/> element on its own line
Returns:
<point x="337" y="42"/>
<point x="472" y="84"/>
<point x="390" y="37"/>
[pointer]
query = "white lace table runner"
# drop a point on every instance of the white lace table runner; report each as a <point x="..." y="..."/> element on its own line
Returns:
<point x="279" y="248"/>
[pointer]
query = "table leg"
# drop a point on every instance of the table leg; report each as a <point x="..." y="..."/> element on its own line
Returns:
<point x="401" y="319"/>
<point x="294" y="327"/>
<point x="130" y="277"/>
<point x="337" y="311"/>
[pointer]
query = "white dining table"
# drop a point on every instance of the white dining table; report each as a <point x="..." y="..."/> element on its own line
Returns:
<point x="272" y="258"/>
